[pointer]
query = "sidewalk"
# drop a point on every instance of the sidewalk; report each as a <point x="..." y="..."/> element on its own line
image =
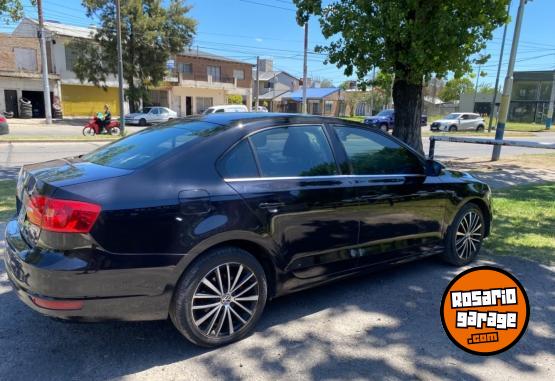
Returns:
<point x="66" y="129"/>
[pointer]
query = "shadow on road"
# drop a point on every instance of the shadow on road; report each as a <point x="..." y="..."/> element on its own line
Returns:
<point x="382" y="324"/>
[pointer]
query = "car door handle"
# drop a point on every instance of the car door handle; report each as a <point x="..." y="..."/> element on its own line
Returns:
<point x="271" y="207"/>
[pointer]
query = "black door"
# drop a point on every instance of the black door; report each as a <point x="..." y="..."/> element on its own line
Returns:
<point x="301" y="199"/>
<point x="402" y="211"/>
<point x="10" y="98"/>
<point x="188" y="106"/>
<point x="37" y="102"/>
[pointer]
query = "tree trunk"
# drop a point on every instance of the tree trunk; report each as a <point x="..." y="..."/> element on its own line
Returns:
<point x="407" y="98"/>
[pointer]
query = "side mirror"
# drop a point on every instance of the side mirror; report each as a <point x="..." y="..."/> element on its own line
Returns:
<point x="433" y="168"/>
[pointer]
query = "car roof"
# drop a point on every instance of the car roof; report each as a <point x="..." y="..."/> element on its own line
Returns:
<point x="237" y="118"/>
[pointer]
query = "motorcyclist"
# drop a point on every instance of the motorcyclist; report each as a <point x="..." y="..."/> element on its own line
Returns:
<point x="103" y="120"/>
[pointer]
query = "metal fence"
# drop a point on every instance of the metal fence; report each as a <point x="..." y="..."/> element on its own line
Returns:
<point x="512" y="143"/>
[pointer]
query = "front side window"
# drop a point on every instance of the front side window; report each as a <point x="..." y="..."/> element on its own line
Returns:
<point x="372" y="154"/>
<point x="294" y="151"/>
<point x="154" y="111"/>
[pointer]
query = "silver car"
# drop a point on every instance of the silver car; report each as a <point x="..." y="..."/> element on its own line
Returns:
<point x="459" y="121"/>
<point x="150" y="115"/>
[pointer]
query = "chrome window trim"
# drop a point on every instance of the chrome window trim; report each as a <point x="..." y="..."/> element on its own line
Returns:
<point x="343" y="177"/>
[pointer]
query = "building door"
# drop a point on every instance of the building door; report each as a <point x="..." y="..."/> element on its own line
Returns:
<point x="10" y="98"/>
<point x="188" y="106"/>
<point x="37" y="102"/>
<point x="176" y="104"/>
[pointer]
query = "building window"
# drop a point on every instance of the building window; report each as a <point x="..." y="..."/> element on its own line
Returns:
<point x="71" y="57"/>
<point x="525" y="91"/>
<point x="185" y="68"/>
<point x="25" y="59"/>
<point x="213" y="71"/>
<point x="328" y="107"/>
<point x="239" y="74"/>
<point x="522" y="112"/>
<point x="203" y="103"/>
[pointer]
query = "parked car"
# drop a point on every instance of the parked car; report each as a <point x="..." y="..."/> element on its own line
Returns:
<point x="260" y="109"/>
<point x="205" y="219"/>
<point x="4" y="128"/>
<point x="225" y="108"/>
<point x="385" y="120"/>
<point x="150" y="115"/>
<point x="459" y="121"/>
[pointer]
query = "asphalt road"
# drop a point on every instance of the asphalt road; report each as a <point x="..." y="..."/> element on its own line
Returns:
<point x="14" y="155"/>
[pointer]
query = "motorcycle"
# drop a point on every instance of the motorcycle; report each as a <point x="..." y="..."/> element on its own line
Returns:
<point x="92" y="128"/>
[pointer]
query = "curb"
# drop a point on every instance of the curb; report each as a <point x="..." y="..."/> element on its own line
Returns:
<point x="58" y="141"/>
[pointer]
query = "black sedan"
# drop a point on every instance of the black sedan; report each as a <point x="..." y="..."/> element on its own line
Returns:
<point x="205" y="219"/>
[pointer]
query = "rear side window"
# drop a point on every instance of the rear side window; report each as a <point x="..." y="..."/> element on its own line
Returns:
<point x="373" y="154"/>
<point x="239" y="162"/>
<point x="145" y="146"/>
<point x="294" y="151"/>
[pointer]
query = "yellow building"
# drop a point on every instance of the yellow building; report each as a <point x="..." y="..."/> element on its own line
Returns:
<point x="83" y="100"/>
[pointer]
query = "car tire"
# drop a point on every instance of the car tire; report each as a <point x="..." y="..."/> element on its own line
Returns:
<point x="142" y="122"/>
<point x="384" y="127"/>
<point x="465" y="235"/>
<point x="480" y="128"/>
<point x="453" y="128"/>
<point x="228" y="316"/>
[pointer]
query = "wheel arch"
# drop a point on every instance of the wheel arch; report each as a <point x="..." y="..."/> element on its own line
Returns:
<point x="253" y="246"/>
<point x="484" y="208"/>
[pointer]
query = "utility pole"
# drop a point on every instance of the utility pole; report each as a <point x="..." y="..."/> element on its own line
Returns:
<point x="476" y="88"/>
<point x="44" y="64"/>
<point x="257" y="93"/>
<point x="120" y="68"/>
<point x="372" y="91"/>
<point x="305" y="67"/>
<point x="492" y="107"/>
<point x="549" y="118"/>
<point x="508" y="86"/>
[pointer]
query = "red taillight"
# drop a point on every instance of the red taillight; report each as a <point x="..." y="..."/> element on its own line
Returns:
<point x="64" y="216"/>
<point x="66" y="305"/>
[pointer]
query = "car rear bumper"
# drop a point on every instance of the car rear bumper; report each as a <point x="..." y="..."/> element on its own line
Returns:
<point x="49" y="277"/>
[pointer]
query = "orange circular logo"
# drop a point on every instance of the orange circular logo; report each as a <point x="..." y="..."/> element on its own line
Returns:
<point x="485" y="310"/>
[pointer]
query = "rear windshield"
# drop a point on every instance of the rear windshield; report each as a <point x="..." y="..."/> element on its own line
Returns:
<point x="143" y="147"/>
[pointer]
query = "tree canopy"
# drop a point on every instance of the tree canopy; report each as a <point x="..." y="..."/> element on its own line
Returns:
<point x="411" y="39"/>
<point x="12" y="10"/>
<point x="454" y="88"/>
<point x="151" y="33"/>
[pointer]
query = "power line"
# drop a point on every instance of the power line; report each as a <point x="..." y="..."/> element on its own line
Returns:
<point x="268" y="5"/>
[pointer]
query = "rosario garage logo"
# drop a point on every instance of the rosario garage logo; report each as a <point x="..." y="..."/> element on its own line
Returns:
<point x="485" y="310"/>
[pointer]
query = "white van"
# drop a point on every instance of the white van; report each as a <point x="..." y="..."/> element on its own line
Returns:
<point x="226" y="108"/>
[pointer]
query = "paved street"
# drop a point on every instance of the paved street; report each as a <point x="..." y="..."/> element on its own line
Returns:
<point x="14" y="155"/>
<point x="383" y="325"/>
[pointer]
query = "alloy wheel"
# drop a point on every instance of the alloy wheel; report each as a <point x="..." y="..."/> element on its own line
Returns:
<point x="469" y="235"/>
<point x="225" y="300"/>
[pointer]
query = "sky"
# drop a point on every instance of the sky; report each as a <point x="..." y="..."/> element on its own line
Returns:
<point x="244" y="29"/>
